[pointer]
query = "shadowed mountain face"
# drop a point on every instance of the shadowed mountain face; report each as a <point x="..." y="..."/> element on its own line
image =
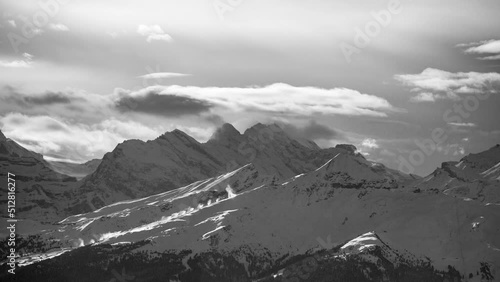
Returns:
<point x="41" y="193"/>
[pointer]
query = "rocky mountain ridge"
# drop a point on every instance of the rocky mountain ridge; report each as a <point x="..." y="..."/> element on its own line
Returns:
<point x="263" y="228"/>
<point x="474" y="177"/>
<point x="136" y="169"/>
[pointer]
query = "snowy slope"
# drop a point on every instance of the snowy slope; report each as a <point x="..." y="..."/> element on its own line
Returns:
<point x="263" y="222"/>
<point x="364" y="258"/>
<point x="474" y="177"/>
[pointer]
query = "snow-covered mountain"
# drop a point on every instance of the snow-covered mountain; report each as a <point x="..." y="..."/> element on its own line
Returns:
<point x="136" y="169"/>
<point x="247" y="226"/>
<point x="293" y="212"/>
<point x="474" y="177"/>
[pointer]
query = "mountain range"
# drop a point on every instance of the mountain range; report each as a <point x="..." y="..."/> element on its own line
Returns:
<point x="257" y="206"/>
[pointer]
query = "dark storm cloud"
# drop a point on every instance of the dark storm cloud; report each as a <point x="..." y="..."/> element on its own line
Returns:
<point x="167" y="105"/>
<point x="11" y="94"/>
<point x="48" y="98"/>
<point x="311" y="131"/>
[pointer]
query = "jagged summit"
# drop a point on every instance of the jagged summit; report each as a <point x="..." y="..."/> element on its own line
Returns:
<point x="14" y="150"/>
<point x="175" y="159"/>
<point x="270" y="135"/>
<point x="225" y="134"/>
<point x="260" y="129"/>
<point x="177" y="135"/>
<point x="348" y="147"/>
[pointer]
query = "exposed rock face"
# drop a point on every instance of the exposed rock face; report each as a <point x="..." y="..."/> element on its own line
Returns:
<point x="350" y="148"/>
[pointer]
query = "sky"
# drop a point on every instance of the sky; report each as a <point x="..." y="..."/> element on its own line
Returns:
<point x="410" y="83"/>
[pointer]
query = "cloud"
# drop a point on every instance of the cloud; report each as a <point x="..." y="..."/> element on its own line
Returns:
<point x="150" y="101"/>
<point x="284" y="100"/>
<point x="15" y="64"/>
<point x="75" y="141"/>
<point x="424" y="97"/>
<point x="483" y="47"/>
<point x="161" y="75"/>
<point x="451" y="149"/>
<point x="463" y="124"/>
<point x="370" y="143"/>
<point x="310" y="131"/>
<point x="436" y="84"/>
<point x="490" y="58"/>
<point x="58" y="27"/>
<point x="215" y="119"/>
<point x="47" y="98"/>
<point x="153" y="32"/>
<point x="387" y="153"/>
<point x="12" y="23"/>
<point x="24" y="63"/>
<point x="77" y="105"/>
<point x="78" y="125"/>
<point x="113" y="34"/>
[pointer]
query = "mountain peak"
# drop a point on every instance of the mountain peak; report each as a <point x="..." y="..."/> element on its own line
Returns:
<point x="260" y="130"/>
<point x="260" y="126"/>
<point x="482" y="160"/>
<point x="177" y="134"/>
<point x="226" y="131"/>
<point x="348" y="147"/>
